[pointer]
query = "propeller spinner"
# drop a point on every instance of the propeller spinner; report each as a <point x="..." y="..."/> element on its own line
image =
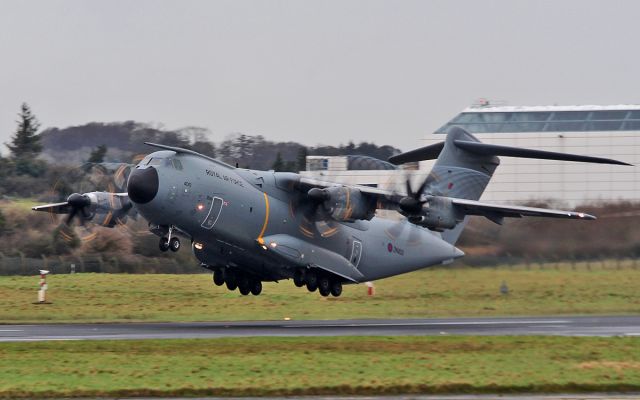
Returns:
<point x="79" y="203"/>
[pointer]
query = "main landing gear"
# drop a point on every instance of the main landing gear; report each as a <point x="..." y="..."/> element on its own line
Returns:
<point x="315" y="280"/>
<point x="237" y="280"/>
<point x="169" y="242"/>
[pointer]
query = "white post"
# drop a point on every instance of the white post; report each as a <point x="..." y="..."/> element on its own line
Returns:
<point x="43" y="286"/>
<point x="371" y="290"/>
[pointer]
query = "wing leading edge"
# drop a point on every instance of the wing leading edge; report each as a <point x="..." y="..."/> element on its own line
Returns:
<point x="496" y="212"/>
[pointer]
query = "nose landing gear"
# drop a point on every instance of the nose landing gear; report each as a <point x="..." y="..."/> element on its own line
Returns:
<point x="170" y="242"/>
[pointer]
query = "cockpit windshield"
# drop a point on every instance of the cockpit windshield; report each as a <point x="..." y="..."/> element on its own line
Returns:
<point x="155" y="161"/>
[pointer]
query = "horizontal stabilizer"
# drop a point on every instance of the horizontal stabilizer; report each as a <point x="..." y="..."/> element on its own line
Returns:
<point x="424" y="153"/>
<point x="496" y="150"/>
<point x="484" y="149"/>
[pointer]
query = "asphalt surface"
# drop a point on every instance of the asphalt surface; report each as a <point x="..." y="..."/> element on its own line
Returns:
<point x="562" y="326"/>
<point x="608" y="396"/>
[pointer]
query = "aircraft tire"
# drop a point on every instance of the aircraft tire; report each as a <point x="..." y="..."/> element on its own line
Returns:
<point x="164" y="244"/>
<point x="336" y="288"/>
<point x="298" y="278"/>
<point x="312" y="281"/>
<point x="230" y="279"/>
<point x="324" y="286"/>
<point x="244" y="285"/>
<point x="218" y="277"/>
<point x="174" y="244"/>
<point x="256" y="287"/>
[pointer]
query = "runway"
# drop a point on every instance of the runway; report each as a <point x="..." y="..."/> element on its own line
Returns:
<point x="562" y="326"/>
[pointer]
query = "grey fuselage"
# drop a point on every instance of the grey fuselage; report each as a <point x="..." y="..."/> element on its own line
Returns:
<point x="236" y="218"/>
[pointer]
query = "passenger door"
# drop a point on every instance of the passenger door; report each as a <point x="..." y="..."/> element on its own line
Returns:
<point x="214" y="213"/>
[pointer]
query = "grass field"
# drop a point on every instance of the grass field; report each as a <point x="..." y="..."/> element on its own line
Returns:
<point x="306" y="366"/>
<point x="427" y="293"/>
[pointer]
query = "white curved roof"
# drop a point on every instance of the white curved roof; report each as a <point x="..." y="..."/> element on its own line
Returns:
<point x="617" y="107"/>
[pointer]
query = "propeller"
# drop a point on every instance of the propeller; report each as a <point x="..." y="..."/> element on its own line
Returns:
<point x="109" y="177"/>
<point x="316" y="219"/>
<point x="79" y="203"/>
<point x="412" y="203"/>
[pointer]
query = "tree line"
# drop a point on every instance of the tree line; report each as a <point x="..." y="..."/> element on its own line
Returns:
<point x="36" y="157"/>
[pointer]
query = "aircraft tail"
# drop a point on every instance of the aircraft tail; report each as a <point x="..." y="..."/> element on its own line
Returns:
<point x="464" y="166"/>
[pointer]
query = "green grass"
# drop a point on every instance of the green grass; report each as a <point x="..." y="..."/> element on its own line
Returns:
<point x="21" y="204"/>
<point x="428" y="293"/>
<point x="306" y="366"/>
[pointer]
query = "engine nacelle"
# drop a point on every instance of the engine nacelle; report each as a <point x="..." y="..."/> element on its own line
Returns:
<point x="348" y="204"/>
<point x="107" y="209"/>
<point x="437" y="214"/>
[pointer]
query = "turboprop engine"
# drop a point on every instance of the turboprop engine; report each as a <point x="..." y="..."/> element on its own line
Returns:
<point x="102" y="208"/>
<point x="343" y="203"/>
<point x="437" y="213"/>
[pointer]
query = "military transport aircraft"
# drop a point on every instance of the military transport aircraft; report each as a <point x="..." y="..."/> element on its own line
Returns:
<point x="252" y="226"/>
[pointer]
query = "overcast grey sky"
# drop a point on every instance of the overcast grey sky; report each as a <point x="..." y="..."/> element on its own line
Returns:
<point x="315" y="72"/>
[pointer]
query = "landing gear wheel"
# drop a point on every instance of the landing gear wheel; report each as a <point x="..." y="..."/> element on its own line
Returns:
<point x="298" y="278"/>
<point x="164" y="244"/>
<point x="174" y="244"/>
<point x="324" y="286"/>
<point x="336" y="288"/>
<point x="256" y="288"/>
<point x="312" y="281"/>
<point x="244" y="285"/>
<point x="218" y="277"/>
<point x="230" y="280"/>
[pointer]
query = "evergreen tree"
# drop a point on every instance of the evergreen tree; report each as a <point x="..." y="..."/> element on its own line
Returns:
<point x="25" y="143"/>
<point x="97" y="155"/>
<point x="278" y="164"/>
<point x="3" y="223"/>
<point x="301" y="159"/>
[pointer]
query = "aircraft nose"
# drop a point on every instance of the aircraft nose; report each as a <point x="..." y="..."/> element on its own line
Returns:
<point x="143" y="185"/>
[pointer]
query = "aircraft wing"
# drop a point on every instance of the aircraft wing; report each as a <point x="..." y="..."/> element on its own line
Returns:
<point x="496" y="212"/>
<point x="310" y="182"/>
<point x="55" y="208"/>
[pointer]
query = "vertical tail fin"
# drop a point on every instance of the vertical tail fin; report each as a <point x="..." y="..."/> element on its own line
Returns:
<point x="457" y="172"/>
<point x="460" y="174"/>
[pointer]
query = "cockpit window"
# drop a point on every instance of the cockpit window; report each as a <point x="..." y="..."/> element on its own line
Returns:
<point x="176" y="164"/>
<point x="155" y="161"/>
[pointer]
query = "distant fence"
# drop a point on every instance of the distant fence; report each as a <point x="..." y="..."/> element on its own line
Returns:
<point x="18" y="264"/>
<point x="541" y="263"/>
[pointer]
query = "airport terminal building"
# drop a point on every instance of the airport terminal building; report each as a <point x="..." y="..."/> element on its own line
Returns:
<point x="601" y="131"/>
